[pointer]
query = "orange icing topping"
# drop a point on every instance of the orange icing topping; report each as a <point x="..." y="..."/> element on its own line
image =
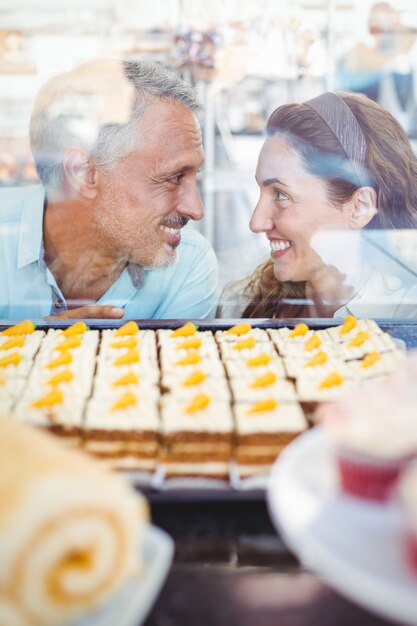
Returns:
<point x="128" y="379"/>
<point x="298" y="331"/>
<point x="53" y="397"/>
<point x="360" y="338"/>
<point x="130" y="342"/>
<point x="13" y="342"/>
<point x="11" y="359"/>
<point x="195" y="378"/>
<point x="188" y="330"/>
<point x="24" y="328"/>
<point x="130" y="328"/>
<point x="239" y="329"/>
<point x="131" y="356"/>
<point x="197" y="403"/>
<point x="348" y="325"/>
<point x="262" y="359"/>
<point x="65" y="358"/>
<point x="63" y="377"/>
<point x="67" y="344"/>
<point x="78" y="328"/>
<point x="318" y="359"/>
<point x="194" y="342"/>
<point x="262" y="407"/>
<point x="125" y="400"/>
<point x="370" y="359"/>
<point x="190" y="359"/>
<point x="313" y="342"/>
<point x="331" y="381"/>
<point x="264" y="381"/>
<point x="245" y="344"/>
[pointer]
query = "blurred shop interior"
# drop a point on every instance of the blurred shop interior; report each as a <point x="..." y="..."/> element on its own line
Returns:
<point x="245" y="57"/>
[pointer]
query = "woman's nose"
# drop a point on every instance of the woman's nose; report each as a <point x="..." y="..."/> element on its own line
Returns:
<point x="261" y="220"/>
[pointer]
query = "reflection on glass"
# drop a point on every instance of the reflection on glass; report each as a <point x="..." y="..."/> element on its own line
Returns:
<point x="338" y="182"/>
<point x="117" y="148"/>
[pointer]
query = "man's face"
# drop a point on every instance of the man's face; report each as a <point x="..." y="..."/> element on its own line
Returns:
<point x="151" y="193"/>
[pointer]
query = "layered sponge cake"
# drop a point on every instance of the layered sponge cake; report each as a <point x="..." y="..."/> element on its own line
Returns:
<point x="189" y="401"/>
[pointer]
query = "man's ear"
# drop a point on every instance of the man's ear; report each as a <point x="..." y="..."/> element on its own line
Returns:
<point x="80" y="172"/>
<point x="362" y="207"/>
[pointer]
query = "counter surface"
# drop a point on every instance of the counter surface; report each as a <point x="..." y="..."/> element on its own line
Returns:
<point x="231" y="568"/>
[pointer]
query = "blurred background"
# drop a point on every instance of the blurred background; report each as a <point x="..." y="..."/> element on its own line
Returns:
<point x="246" y="57"/>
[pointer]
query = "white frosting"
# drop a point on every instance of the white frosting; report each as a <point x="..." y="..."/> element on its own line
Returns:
<point x="298" y="351"/>
<point x="389" y="362"/>
<point x="28" y="350"/>
<point x="146" y="344"/>
<point x="104" y="386"/>
<point x="140" y="417"/>
<point x="81" y="384"/>
<point x="229" y="353"/>
<point x="239" y="369"/>
<point x="376" y="343"/>
<point x="282" y="390"/>
<point x="215" y="418"/>
<point x="308" y="389"/>
<point x="362" y="325"/>
<point x="69" y="413"/>
<point x="296" y="369"/>
<point x="213" y="369"/>
<point x="145" y="370"/>
<point x="285" y="418"/>
<point x="16" y="371"/>
<point x="166" y="342"/>
<point x="214" y="387"/>
<point x="257" y="333"/>
<point x="281" y="339"/>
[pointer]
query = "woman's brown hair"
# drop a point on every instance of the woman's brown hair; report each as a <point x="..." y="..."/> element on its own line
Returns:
<point x="390" y="168"/>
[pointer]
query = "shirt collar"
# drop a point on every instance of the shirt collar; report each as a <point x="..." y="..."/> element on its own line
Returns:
<point x="31" y="227"/>
<point x="136" y="273"/>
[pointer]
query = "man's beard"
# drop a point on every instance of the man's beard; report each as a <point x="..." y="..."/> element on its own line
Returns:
<point x="147" y="250"/>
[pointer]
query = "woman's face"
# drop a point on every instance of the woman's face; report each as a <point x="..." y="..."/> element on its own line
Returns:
<point x="293" y="210"/>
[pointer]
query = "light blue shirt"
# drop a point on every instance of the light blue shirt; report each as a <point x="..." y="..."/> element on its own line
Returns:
<point x="186" y="289"/>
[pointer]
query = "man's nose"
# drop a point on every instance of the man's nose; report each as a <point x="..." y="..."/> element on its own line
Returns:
<point x="191" y="205"/>
<point x="261" y="220"/>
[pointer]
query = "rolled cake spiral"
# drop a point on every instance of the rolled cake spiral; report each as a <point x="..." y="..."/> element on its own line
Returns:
<point x="69" y="530"/>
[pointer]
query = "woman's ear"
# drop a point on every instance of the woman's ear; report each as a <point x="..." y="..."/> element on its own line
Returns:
<point x="363" y="207"/>
<point x="80" y="172"/>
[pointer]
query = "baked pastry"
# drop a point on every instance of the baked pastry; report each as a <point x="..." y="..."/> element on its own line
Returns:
<point x="70" y="533"/>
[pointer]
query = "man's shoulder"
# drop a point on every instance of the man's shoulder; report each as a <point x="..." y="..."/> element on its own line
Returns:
<point x="13" y="199"/>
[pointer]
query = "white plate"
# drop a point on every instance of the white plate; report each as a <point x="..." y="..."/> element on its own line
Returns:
<point x="131" y="605"/>
<point x="355" y="545"/>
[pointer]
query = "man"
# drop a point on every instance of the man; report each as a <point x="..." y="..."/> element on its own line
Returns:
<point x="117" y="147"/>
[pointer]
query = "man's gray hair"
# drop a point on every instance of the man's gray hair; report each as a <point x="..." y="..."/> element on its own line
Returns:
<point x="96" y="107"/>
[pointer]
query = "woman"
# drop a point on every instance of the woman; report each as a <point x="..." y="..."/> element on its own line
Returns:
<point x="331" y="171"/>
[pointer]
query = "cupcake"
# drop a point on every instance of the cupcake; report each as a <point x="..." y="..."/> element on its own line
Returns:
<point x="375" y="437"/>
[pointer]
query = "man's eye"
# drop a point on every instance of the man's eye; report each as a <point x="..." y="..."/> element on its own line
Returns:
<point x="175" y="179"/>
<point x="280" y="196"/>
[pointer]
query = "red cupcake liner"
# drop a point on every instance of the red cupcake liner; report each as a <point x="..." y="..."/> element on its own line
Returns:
<point x="368" y="477"/>
<point x="411" y="551"/>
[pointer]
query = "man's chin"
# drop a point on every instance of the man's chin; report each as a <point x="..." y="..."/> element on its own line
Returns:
<point x="164" y="258"/>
